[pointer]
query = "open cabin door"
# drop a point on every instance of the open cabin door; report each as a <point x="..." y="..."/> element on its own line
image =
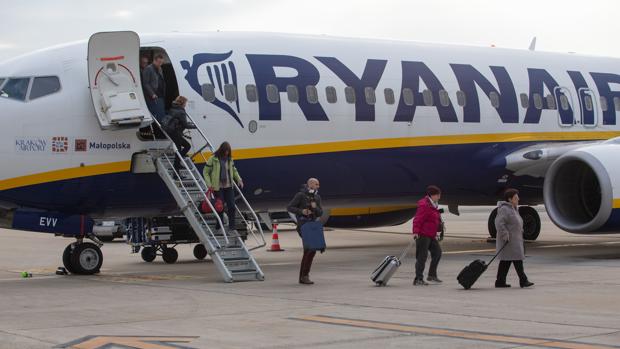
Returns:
<point x="114" y="79"/>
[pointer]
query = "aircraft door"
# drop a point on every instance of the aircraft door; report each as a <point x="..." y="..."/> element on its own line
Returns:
<point x="114" y="80"/>
<point x="587" y="101"/>
<point x="564" y="105"/>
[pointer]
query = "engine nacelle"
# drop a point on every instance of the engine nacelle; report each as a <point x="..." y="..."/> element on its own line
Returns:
<point x="582" y="189"/>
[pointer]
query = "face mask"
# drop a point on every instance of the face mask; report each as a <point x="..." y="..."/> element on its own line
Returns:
<point x="312" y="191"/>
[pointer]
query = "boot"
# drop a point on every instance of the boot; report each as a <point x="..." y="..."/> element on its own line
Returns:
<point x="502" y="284"/>
<point x="305" y="280"/>
<point x="526" y="283"/>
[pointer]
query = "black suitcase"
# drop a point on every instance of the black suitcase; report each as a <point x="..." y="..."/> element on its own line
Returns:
<point x="470" y="274"/>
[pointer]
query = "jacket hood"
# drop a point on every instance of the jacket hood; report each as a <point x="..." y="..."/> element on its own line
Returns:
<point x="503" y="203"/>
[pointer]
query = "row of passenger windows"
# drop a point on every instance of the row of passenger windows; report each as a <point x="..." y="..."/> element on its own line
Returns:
<point x="29" y="88"/>
<point x="311" y="95"/>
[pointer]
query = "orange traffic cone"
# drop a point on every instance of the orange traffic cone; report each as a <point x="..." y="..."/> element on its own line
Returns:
<point x="275" y="241"/>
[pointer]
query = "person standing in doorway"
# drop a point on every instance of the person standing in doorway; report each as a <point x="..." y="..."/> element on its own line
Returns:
<point x="426" y="224"/>
<point x="306" y="206"/>
<point x="220" y="173"/>
<point x="154" y="87"/>
<point x="509" y="239"/>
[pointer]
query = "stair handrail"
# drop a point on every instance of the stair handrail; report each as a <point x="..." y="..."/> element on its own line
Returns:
<point x="204" y="194"/>
<point x="246" y="202"/>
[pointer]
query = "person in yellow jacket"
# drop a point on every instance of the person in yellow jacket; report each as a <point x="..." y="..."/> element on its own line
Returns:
<point x="220" y="173"/>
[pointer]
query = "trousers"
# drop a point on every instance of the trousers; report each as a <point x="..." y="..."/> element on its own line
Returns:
<point x="228" y="197"/>
<point x="306" y="263"/>
<point x="423" y="245"/>
<point x="504" y="266"/>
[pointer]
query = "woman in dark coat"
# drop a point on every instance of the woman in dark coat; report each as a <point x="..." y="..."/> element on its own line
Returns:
<point x="509" y="227"/>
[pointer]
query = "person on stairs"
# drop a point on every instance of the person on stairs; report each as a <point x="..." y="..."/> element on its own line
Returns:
<point x="509" y="227"/>
<point x="306" y="206"/>
<point x="175" y="123"/>
<point x="219" y="174"/>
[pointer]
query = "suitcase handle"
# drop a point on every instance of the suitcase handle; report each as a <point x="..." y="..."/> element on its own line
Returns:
<point x="404" y="254"/>
<point x="498" y="252"/>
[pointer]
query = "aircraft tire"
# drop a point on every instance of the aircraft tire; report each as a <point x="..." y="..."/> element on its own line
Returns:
<point x="86" y="258"/>
<point x="170" y="255"/>
<point x="200" y="252"/>
<point x="491" y="224"/>
<point x="531" y="222"/>
<point x="106" y="238"/>
<point x="148" y="254"/>
<point x="66" y="258"/>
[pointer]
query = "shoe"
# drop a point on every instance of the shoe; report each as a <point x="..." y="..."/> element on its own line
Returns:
<point x="526" y="284"/>
<point x="306" y="281"/>
<point x="501" y="285"/>
<point x="419" y="282"/>
<point x="434" y="279"/>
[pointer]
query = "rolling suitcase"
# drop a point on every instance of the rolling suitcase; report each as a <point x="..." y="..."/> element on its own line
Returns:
<point x="388" y="267"/>
<point x="470" y="274"/>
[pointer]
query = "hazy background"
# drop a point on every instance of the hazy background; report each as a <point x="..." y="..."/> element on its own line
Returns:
<point x="589" y="27"/>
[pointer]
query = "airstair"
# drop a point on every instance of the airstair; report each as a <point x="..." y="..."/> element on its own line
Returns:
<point x="228" y="250"/>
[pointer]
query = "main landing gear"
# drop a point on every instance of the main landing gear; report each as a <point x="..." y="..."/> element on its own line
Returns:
<point x="531" y="223"/>
<point x="83" y="258"/>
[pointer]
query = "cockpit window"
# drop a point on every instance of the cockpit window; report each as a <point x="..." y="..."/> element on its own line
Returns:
<point x="43" y="86"/>
<point x="15" y="88"/>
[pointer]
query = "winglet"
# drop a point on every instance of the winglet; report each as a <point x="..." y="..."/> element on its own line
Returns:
<point x="533" y="44"/>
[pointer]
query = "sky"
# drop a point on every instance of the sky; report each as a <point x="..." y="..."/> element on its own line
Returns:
<point x="588" y="27"/>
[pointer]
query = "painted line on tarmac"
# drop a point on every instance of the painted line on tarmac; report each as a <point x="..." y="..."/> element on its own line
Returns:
<point x="452" y="333"/>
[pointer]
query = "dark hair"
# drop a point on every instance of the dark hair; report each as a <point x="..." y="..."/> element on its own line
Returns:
<point x="510" y="193"/>
<point x="158" y="56"/>
<point x="432" y="190"/>
<point x="220" y="152"/>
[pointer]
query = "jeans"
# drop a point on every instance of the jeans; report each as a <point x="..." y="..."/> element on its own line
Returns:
<point x="504" y="266"/>
<point x="157" y="107"/>
<point x="227" y="195"/>
<point x="423" y="245"/>
<point x="306" y="263"/>
<point x="182" y="144"/>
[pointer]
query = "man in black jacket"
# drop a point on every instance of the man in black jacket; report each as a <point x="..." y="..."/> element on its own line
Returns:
<point x="154" y="86"/>
<point x="306" y="205"/>
<point x="174" y="123"/>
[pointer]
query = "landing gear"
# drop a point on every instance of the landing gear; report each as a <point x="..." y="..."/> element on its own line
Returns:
<point x="531" y="223"/>
<point x="200" y="252"/>
<point x="84" y="258"/>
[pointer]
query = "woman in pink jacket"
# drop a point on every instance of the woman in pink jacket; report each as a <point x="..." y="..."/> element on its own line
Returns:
<point x="425" y="226"/>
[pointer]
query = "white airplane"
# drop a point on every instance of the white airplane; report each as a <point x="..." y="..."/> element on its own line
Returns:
<point x="375" y="120"/>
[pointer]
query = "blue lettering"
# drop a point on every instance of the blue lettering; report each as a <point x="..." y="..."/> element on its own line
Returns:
<point x="602" y="81"/>
<point x="539" y="78"/>
<point x="263" y="68"/>
<point x="370" y="78"/>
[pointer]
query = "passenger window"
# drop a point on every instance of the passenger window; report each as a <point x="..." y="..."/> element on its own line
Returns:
<point x="43" y="86"/>
<point x="587" y="100"/>
<point x="525" y="101"/>
<point x="427" y="95"/>
<point x="538" y="103"/>
<point x="408" y="96"/>
<point x="460" y="98"/>
<point x="312" y="94"/>
<point x="551" y="102"/>
<point x="349" y="94"/>
<point x="208" y="92"/>
<point x="617" y="103"/>
<point x="494" y="97"/>
<point x="273" y="95"/>
<point x="330" y="92"/>
<point x="604" y="105"/>
<point x="389" y="96"/>
<point x="292" y="93"/>
<point x="252" y="93"/>
<point x="564" y="102"/>
<point x="444" y="98"/>
<point x="15" y="89"/>
<point x="230" y="92"/>
<point x="371" y="97"/>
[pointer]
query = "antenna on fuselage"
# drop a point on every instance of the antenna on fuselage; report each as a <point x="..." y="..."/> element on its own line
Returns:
<point x="533" y="44"/>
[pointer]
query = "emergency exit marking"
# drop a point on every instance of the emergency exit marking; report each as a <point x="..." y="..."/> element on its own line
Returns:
<point x="136" y="342"/>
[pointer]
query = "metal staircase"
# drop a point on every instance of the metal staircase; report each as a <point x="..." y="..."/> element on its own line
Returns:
<point x="228" y="250"/>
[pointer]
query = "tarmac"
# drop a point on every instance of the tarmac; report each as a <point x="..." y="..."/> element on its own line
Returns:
<point x="132" y="304"/>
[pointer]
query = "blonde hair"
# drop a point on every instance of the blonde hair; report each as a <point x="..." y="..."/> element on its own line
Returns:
<point x="180" y="100"/>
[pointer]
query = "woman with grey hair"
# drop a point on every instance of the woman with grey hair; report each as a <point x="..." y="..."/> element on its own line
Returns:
<point x="509" y="242"/>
